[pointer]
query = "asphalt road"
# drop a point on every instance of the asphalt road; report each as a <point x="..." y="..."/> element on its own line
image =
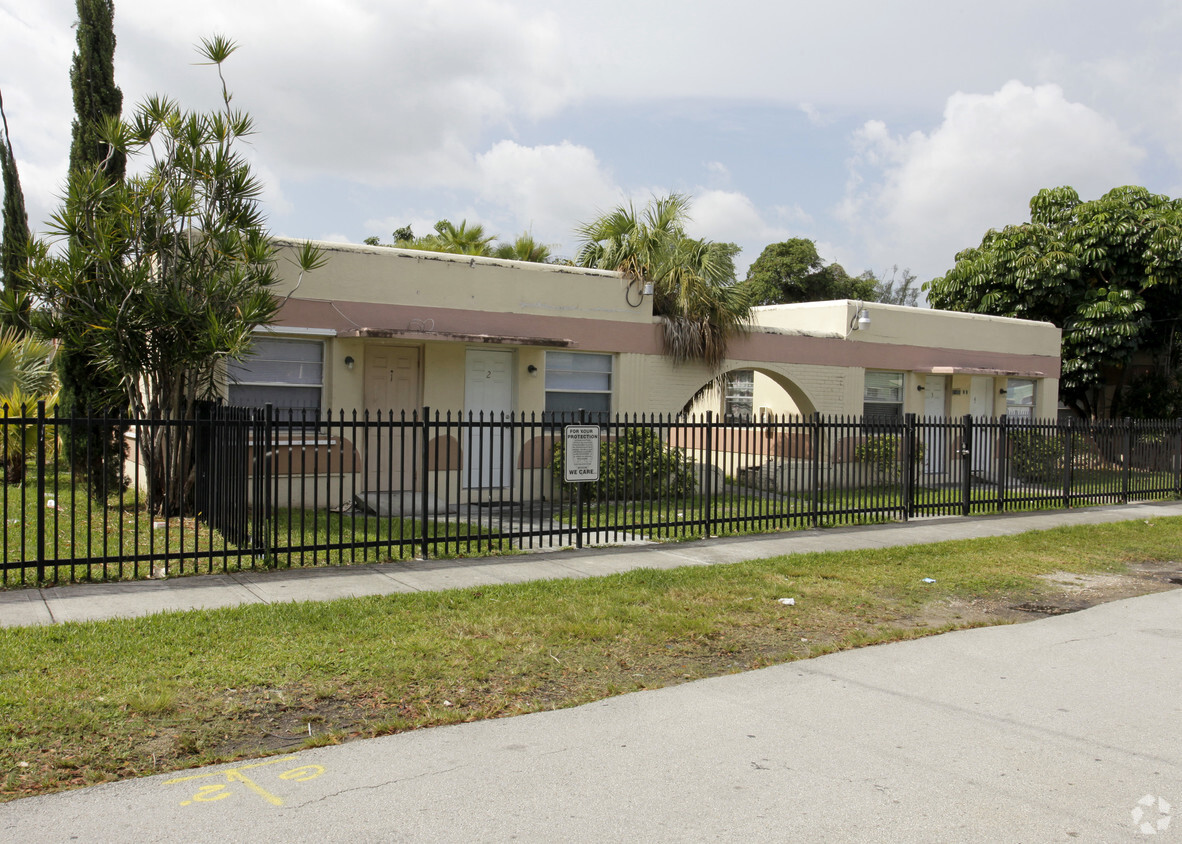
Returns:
<point x="1064" y="729"/>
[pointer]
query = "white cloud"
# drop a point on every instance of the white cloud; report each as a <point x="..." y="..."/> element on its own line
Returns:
<point x="919" y="199"/>
<point x="545" y="188"/>
<point x="386" y="92"/>
<point x="814" y="115"/>
<point x="730" y="216"/>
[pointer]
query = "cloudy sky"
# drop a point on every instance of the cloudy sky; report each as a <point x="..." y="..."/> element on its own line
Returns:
<point x="890" y="133"/>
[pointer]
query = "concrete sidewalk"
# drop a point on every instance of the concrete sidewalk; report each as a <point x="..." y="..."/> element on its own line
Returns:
<point x="87" y="602"/>
<point x="1063" y="729"/>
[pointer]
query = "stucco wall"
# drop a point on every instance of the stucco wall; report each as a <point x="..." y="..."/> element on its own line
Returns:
<point x="445" y="305"/>
<point x="411" y="278"/>
<point x="898" y="325"/>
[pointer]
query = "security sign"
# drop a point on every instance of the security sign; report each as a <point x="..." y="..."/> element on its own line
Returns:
<point x="580" y="450"/>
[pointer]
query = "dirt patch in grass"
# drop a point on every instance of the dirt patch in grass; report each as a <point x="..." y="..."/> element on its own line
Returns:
<point x="1062" y="592"/>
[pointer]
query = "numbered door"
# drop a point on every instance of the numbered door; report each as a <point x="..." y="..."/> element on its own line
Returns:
<point x="935" y="437"/>
<point x="488" y="392"/>
<point x="392" y="386"/>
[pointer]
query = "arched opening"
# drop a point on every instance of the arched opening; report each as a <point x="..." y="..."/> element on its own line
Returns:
<point x="752" y="392"/>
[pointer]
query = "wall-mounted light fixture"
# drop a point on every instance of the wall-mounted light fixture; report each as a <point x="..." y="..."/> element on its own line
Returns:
<point x="348" y="361"/>
<point x="919" y="387"/>
<point x="531" y="369"/>
<point x="1002" y="391"/>
<point x="860" y="320"/>
<point x="638" y="290"/>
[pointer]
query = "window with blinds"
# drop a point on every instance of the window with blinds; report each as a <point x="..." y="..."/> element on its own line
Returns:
<point x="883" y="396"/>
<point x="287" y="373"/>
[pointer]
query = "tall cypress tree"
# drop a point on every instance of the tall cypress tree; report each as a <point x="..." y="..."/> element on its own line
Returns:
<point x="87" y="389"/>
<point x="13" y="250"/>
<point x="96" y="96"/>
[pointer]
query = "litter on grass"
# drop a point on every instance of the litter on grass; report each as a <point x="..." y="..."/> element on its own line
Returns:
<point x="788" y="602"/>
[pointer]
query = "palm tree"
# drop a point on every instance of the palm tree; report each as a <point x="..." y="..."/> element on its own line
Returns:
<point x="27" y="375"/>
<point x="464" y="239"/>
<point x="26" y="364"/>
<point x="694" y="287"/>
<point x="524" y="248"/>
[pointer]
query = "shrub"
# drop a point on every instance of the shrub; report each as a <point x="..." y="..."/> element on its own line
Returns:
<point x="1036" y="457"/>
<point x="884" y="454"/>
<point x="636" y="465"/>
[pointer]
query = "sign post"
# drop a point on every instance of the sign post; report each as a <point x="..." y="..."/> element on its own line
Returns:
<point x="580" y="464"/>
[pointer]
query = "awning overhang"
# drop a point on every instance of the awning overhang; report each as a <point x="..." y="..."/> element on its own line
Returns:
<point x="974" y="370"/>
<point x="454" y="337"/>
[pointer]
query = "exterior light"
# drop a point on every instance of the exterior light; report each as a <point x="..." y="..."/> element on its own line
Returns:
<point x="859" y="321"/>
<point x="348" y="361"/>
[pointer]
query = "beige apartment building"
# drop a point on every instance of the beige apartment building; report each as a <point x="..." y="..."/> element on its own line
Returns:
<point x="380" y="330"/>
<point x="383" y="329"/>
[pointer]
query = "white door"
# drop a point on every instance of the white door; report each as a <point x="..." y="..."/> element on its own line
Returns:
<point x="935" y="452"/>
<point x="981" y="407"/>
<point x="488" y="389"/>
<point x="391" y="387"/>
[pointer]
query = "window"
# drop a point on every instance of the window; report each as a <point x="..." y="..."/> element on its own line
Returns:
<point x="577" y="381"/>
<point x="883" y="396"/>
<point x="285" y="372"/>
<point x="1020" y="398"/>
<point x="738" y="403"/>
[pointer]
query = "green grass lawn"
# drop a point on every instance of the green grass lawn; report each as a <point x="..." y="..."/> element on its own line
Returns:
<point x="78" y="525"/>
<point x="86" y="703"/>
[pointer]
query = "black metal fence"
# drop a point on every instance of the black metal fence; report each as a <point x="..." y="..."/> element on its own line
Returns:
<point x="256" y="488"/>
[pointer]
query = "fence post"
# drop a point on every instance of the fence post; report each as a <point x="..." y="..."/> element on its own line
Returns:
<point x="1178" y="458"/>
<point x="966" y="473"/>
<point x="579" y="494"/>
<point x="1003" y="461"/>
<point x="815" y="471"/>
<point x="708" y="472"/>
<point x="264" y="511"/>
<point x="1126" y="472"/>
<point x="909" y="466"/>
<point x="1068" y="462"/>
<point x="40" y="491"/>
<point x="424" y="456"/>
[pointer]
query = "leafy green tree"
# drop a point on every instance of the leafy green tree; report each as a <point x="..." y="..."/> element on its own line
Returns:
<point x="694" y="287"/>
<point x="793" y="271"/>
<point x="1108" y="272"/>
<point x="14" y="304"/>
<point x="166" y="273"/>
